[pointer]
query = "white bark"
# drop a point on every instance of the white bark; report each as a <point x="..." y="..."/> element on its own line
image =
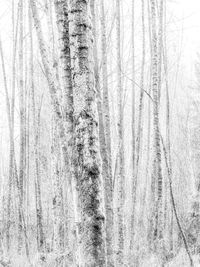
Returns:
<point x="37" y="181"/>
<point x="121" y="174"/>
<point x="87" y="158"/>
<point x="104" y="136"/>
<point x="157" y="180"/>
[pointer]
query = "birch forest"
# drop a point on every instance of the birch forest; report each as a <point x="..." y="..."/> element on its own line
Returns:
<point x="99" y="133"/>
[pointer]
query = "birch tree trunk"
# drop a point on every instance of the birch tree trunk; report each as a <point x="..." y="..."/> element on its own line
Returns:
<point x="62" y="16"/>
<point x="169" y="224"/>
<point x="157" y="180"/>
<point x="58" y="208"/>
<point x="22" y="123"/>
<point x="106" y="106"/>
<point x="139" y="128"/>
<point x="87" y="151"/>
<point x="61" y="7"/>
<point x="141" y="103"/>
<point x="104" y="134"/>
<point x="37" y="182"/>
<point x="160" y="47"/>
<point x="106" y="112"/>
<point x="121" y="174"/>
<point x="133" y="189"/>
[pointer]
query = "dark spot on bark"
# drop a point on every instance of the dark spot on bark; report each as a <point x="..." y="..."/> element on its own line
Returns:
<point x="96" y="227"/>
<point x="59" y="114"/>
<point x="100" y="217"/>
<point x="91" y="140"/>
<point x="54" y="201"/>
<point x="80" y="147"/>
<point x="43" y="258"/>
<point x="94" y="170"/>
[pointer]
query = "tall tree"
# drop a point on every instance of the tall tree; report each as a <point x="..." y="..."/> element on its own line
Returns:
<point x="86" y="149"/>
<point x="106" y="112"/>
<point x="121" y="173"/>
<point x="22" y="117"/>
<point x="157" y="179"/>
<point x="139" y="127"/>
<point x="62" y="19"/>
<point x="58" y="208"/>
<point x="104" y="131"/>
<point x="133" y="189"/>
<point x="37" y="180"/>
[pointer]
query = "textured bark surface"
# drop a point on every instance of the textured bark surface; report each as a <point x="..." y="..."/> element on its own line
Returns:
<point x="87" y="158"/>
<point x="106" y="107"/>
<point x="133" y="189"/>
<point x="61" y="7"/>
<point x="138" y="153"/>
<point x="22" y="121"/>
<point x="121" y="171"/>
<point x="37" y="182"/>
<point x="64" y="49"/>
<point x="107" y="160"/>
<point x="104" y="136"/>
<point x="157" y="180"/>
<point x="58" y="209"/>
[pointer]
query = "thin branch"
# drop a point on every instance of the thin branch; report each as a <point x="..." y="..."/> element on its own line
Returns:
<point x="174" y="205"/>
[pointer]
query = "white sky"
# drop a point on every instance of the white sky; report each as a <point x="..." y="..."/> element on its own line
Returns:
<point x="186" y="17"/>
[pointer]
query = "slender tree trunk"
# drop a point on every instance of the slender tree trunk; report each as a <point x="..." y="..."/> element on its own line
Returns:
<point x="66" y="78"/>
<point x="106" y="112"/>
<point x="149" y="114"/>
<point x="87" y="152"/>
<point x="39" y="214"/>
<point x="22" y="122"/>
<point x="140" y="125"/>
<point x="168" y="134"/>
<point x="106" y="106"/>
<point x="157" y="180"/>
<point x="104" y="135"/>
<point x="58" y="208"/>
<point x="160" y="46"/>
<point x="133" y="190"/>
<point x="141" y="103"/>
<point x="121" y="175"/>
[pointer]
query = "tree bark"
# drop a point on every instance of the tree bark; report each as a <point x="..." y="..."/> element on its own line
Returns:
<point x="37" y="181"/>
<point x="157" y="180"/>
<point x="58" y="208"/>
<point x="62" y="16"/>
<point x="22" y="122"/>
<point x="121" y="174"/>
<point x="87" y="151"/>
<point x="133" y="189"/>
<point x="104" y="136"/>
